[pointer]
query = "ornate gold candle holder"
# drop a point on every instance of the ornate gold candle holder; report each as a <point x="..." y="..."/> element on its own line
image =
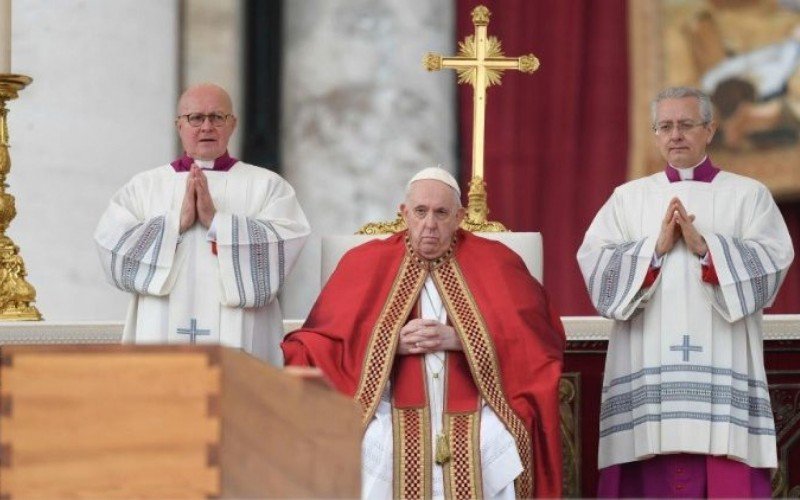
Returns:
<point x="16" y="294"/>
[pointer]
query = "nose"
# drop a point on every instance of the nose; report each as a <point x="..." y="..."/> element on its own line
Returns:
<point x="675" y="133"/>
<point x="429" y="222"/>
<point x="206" y="125"/>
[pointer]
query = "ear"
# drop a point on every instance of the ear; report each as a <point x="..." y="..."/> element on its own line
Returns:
<point x="460" y="214"/>
<point x="404" y="212"/>
<point x="712" y="128"/>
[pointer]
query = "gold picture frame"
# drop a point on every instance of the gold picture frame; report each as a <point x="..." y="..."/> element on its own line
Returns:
<point x="715" y="44"/>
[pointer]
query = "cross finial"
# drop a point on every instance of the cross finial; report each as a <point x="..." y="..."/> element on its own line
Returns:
<point x="480" y="16"/>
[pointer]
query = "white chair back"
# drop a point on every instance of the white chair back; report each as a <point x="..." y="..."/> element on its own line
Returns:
<point x="527" y="245"/>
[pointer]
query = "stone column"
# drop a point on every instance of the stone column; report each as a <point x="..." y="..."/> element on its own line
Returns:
<point x="360" y="114"/>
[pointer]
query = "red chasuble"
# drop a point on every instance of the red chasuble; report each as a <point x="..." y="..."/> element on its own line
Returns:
<point x="513" y="344"/>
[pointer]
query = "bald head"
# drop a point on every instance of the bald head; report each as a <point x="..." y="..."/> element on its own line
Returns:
<point x="211" y="111"/>
<point x="205" y="91"/>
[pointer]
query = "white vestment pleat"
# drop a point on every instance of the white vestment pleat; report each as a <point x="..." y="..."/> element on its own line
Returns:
<point x="500" y="462"/>
<point x="183" y="293"/>
<point x="685" y="369"/>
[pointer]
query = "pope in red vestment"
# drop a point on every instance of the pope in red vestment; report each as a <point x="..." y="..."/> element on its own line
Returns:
<point x="503" y="341"/>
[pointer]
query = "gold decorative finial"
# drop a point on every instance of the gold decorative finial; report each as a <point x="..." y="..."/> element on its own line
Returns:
<point x="390" y="227"/>
<point x="432" y="61"/>
<point x="480" y="16"/>
<point x="528" y="63"/>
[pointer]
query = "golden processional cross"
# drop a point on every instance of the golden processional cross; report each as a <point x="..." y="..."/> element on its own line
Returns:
<point x="480" y="63"/>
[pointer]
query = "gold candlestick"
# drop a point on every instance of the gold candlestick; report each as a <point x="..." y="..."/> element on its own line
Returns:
<point x="16" y="294"/>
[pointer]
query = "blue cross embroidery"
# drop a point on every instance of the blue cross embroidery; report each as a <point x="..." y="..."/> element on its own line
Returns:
<point x="685" y="347"/>
<point x="192" y="331"/>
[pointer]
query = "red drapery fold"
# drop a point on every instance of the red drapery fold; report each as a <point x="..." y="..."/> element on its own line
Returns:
<point x="557" y="140"/>
<point x="788" y="299"/>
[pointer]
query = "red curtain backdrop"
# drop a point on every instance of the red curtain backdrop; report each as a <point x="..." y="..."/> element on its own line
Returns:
<point x="557" y="140"/>
<point x="788" y="300"/>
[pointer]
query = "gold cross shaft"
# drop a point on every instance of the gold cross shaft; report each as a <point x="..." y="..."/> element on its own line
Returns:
<point x="480" y="62"/>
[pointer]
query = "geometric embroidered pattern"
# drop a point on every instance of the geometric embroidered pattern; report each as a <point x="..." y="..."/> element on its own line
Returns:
<point x="687" y="415"/>
<point x="259" y="262"/>
<point x="237" y="268"/>
<point x="151" y="236"/>
<point x="462" y="474"/>
<point x="156" y="226"/>
<point x="694" y="392"/>
<point x="482" y="358"/>
<point x="759" y="279"/>
<point x="115" y="253"/>
<point x="631" y="274"/>
<point x="383" y="339"/>
<point x="281" y="254"/>
<point x="659" y="370"/>
<point x="609" y="284"/>
<point x="412" y="461"/>
<point x="756" y="273"/>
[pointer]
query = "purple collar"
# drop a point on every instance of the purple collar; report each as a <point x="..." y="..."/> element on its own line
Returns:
<point x="705" y="172"/>
<point x="221" y="164"/>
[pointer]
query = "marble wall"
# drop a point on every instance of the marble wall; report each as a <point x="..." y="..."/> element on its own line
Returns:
<point x="100" y="109"/>
<point x="360" y="114"/>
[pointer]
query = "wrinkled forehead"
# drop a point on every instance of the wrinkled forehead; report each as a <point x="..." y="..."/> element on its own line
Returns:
<point x="204" y="100"/>
<point x="431" y="193"/>
<point x="684" y="108"/>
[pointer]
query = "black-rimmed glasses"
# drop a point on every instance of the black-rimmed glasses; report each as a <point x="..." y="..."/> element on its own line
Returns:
<point x="197" y="119"/>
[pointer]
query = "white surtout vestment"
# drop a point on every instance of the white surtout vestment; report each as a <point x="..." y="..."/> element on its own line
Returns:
<point x="685" y="370"/>
<point x="183" y="292"/>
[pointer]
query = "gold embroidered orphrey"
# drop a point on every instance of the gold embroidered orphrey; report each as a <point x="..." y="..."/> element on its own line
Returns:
<point x="412" y="426"/>
<point x="480" y="62"/>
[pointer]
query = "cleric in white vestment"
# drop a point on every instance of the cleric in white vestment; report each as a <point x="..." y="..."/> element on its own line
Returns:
<point x="684" y="261"/>
<point x="205" y="243"/>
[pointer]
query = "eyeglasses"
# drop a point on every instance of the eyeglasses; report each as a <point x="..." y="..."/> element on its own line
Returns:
<point x="666" y="128"/>
<point x="197" y="119"/>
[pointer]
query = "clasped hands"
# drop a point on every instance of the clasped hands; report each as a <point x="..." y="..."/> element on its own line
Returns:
<point x="421" y="336"/>
<point x="677" y="224"/>
<point x="197" y="202"/>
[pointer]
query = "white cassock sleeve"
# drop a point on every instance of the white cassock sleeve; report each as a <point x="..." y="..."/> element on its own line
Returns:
<point x="751" y="266"/>
<point x="614" y="264"/>
<point x="137" y="251"/>
<point x="257" y="252"/>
